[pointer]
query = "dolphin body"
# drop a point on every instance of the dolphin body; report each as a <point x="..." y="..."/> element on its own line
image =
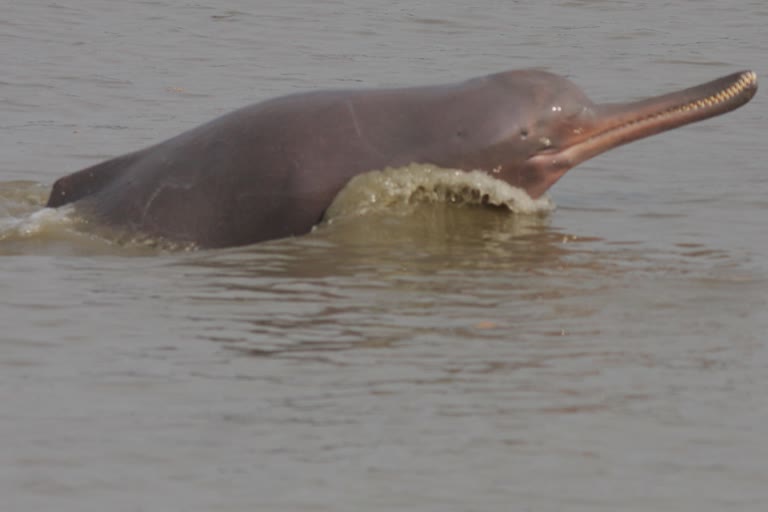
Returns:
<point x="271" y="169"/>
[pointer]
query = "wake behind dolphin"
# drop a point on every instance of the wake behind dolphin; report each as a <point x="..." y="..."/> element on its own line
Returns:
<point x="272" y="169"/>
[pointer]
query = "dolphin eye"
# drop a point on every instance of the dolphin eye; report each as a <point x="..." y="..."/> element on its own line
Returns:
<point x="524" y="133"/>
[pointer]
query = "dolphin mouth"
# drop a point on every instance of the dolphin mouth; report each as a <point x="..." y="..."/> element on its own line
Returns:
<point x="621" y="123"/>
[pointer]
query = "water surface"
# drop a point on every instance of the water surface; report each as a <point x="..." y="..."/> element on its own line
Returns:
<point x="608" y="356"/>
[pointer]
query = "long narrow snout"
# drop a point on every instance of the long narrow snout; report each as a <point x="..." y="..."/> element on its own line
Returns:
<point x="620" y="123"/>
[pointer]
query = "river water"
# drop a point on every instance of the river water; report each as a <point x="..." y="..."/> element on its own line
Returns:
<point x="610" y="355"/>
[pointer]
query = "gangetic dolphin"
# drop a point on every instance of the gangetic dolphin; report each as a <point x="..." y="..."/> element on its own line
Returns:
<point x="271" y="169"/>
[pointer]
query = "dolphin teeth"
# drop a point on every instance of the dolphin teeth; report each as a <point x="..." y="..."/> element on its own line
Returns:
<point x="746" y="80"/>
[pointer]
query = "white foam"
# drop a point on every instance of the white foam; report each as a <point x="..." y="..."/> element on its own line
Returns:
<point x="391" y="189"/>
<point x="36" y="223"/>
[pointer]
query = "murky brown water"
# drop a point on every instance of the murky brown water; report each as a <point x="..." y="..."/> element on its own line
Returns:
<point x="609" y="356"/>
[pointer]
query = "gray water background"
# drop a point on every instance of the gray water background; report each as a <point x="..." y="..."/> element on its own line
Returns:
<point x="611" y="356"/>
